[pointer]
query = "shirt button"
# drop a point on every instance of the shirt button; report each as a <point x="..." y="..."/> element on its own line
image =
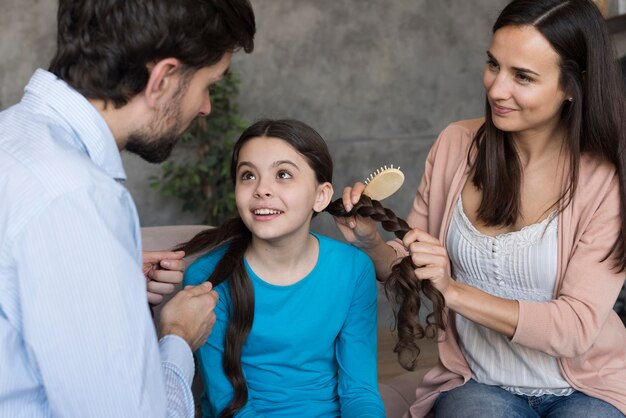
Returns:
<point x="494" y="249"/>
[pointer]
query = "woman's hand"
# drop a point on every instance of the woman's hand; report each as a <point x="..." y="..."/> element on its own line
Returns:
<point x="357" y="230"/>
<point x="431" y="258"/>
<point x="498" y="314"/>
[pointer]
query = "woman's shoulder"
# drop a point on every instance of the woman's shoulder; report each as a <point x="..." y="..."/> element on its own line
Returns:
<point x="597" y="180"/>
<point x="457" y="137"/>
<point x="594" y="170"/>
<point x="596" y="176"/>
<point x="467" y="126"/>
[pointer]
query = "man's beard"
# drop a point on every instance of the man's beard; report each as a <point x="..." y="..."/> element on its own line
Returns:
<point x="155" y="142"/>
<point x="153" y="148"/>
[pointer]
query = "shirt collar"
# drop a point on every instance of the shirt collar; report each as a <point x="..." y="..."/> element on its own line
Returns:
<point x="49" y="94"/>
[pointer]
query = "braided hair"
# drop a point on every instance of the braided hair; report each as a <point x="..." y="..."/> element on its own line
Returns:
<point x="402" y="284"/>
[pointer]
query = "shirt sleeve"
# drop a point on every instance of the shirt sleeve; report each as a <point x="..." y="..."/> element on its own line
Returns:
<point x="218" y="389"/>
<point x="356" y="351"/>
<point x="85" y="315"/>
<point x="178" y="370"/>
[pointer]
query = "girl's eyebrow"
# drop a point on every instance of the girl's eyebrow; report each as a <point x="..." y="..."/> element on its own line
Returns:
<point x="274" y="164"/>
<point x="245" y="163"/>
<point x="518" y="69"/>
<point x="279" y="162"/>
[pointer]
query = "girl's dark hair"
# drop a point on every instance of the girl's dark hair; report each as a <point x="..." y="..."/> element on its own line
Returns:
<point x="402" y="284"/>
<point x="103" y="46"/>
<point x="236" y="235"/>
<point x="595" y="120"/>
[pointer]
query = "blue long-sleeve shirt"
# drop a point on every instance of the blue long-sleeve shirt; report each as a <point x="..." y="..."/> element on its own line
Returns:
<point x="311" y="351"/>
<point x="76" y="337"/>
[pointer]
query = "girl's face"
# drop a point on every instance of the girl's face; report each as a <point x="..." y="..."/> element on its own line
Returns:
<point x="276" y="190"/>
<point x="521" y="79"/>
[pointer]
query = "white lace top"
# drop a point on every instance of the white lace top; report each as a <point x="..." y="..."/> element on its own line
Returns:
<point x="518" y="265"/>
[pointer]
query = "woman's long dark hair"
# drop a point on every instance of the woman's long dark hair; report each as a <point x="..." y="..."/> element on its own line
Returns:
<point x="595" y="120"/>
<point x="402" y="284"/>
<point x="237" y="237"/>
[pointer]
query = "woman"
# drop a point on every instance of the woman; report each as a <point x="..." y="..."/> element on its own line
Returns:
<point x="519" y="222"/>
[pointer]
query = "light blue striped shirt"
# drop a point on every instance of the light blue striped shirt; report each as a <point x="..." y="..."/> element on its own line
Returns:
<point x="76" y="336"/>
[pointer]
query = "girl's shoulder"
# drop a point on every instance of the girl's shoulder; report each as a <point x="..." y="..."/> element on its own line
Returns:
<point x="331" y="244"/>
<point x="341" y="253"/>
<point x="200" y="270"/>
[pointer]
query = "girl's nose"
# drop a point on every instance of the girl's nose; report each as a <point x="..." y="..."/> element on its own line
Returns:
<point x="263" y="189"/>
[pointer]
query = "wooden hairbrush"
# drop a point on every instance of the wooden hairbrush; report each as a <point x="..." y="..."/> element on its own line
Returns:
<point x="383" y="182"/>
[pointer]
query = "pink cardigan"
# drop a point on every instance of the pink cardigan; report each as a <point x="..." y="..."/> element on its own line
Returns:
<point x="579" y="325"/>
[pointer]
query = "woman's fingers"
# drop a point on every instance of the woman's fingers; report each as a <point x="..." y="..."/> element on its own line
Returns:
<point x="351" y="195"/>
<point x="417" y="235"/>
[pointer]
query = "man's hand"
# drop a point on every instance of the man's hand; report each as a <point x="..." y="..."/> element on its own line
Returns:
<point x="189" y="314"/>
<point x="162" y="269"/>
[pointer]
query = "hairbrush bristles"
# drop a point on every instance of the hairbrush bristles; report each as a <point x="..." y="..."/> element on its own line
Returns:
<point x="383" y="182"/>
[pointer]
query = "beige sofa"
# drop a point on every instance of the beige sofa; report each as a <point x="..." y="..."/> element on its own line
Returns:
<point x="397" y="393"/>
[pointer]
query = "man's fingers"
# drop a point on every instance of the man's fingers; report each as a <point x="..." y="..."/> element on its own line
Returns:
<point x="160" y="288"/>
<point x="156" y="256"/>
<point x="201" y="289"/>
<point x="166" y="276"/>
<point x="173" y="264"/>
<point x="154" y="298"/>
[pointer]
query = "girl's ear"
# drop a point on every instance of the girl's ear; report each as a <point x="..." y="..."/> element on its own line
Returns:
<point x="324" y="195"/>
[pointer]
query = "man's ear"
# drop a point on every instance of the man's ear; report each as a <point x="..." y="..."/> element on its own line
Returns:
<point x="163" y="80"/>
<point x="324" y="195"/>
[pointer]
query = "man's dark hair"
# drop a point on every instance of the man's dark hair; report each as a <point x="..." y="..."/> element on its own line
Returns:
<point x="103" y="46"/>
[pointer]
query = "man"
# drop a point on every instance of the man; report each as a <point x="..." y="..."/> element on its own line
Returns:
<point x="76" y="337"/>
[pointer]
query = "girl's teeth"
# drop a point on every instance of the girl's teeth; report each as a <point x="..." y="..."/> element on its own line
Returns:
<point x="266" y="212"/>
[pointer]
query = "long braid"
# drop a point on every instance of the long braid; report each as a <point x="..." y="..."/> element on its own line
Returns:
<point x="401" y="283"/>
<point x="234" y="234"/>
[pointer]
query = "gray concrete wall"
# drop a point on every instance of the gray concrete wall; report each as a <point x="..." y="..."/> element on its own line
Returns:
<point x="378" y="78"/>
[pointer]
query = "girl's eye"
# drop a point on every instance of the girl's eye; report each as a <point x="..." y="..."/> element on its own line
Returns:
<point x="246" y="175"/>
<point x="283" y="174"/>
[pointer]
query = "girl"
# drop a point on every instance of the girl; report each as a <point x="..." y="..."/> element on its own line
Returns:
<point x="520" y="223"/>
<point x="296" y="319"/>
